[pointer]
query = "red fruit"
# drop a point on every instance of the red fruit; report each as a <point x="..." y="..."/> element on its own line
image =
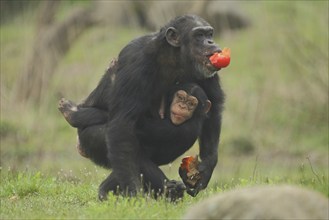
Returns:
<point x="186" y="161"/>
<point x="190" y="165"/>
<point x="222" y="59"/>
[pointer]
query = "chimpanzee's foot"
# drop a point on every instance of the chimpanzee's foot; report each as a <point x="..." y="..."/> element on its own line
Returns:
<point x="102" y="195"/>
<point x="112" y="184"/>
<point x="109" y="184"/>
<point x="67" y="107"/>
<point x="174" y="190"/>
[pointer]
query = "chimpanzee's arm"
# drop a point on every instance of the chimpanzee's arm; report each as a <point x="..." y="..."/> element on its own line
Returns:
<point x="209" y="138"/>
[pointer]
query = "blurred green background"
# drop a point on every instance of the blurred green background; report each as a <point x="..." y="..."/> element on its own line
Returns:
<point x="275" y="123"/>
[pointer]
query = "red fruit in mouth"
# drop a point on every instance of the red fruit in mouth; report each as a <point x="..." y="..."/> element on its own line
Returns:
<point x="222" y="59"/>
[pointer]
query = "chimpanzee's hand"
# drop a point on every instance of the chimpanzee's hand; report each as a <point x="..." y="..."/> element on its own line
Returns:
<point x="191" y="189"/>
<point x="174" y="190"/>
<point x="203" y="179"/>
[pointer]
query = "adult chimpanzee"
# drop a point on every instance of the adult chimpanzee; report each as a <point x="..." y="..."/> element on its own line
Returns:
<point x="147" y="67"/>
<point x="162" y="139"/>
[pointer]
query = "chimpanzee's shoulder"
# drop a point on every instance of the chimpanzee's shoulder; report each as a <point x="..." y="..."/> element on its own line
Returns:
<point x="139" y="42"/>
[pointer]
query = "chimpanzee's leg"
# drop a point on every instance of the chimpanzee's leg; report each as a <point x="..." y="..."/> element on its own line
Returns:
<point x="81" y="117"/>
<point x="91" y="124"/>
<point x="154" y="180"/>
<point x="92" y="144"/>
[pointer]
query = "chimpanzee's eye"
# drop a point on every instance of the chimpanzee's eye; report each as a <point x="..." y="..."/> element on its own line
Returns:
<point x="180" y="98"/>
<point x="199" y="35"/>
<point x="191" y="105"/>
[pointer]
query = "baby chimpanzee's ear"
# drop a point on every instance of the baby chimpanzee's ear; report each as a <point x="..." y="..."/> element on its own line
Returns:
<point x="207" y="106"/>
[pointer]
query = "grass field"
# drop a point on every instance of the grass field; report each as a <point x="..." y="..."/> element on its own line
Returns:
<point x="275" y="128"/>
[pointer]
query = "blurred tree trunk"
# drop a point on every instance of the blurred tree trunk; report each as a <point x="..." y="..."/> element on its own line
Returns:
<point x="51" y="43"/>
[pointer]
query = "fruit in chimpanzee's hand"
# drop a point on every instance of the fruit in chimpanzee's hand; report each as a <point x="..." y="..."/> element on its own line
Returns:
<point x="189" y="170"/>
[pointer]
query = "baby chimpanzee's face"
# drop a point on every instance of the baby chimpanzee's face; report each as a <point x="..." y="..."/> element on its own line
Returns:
<point x="182" y="107"/>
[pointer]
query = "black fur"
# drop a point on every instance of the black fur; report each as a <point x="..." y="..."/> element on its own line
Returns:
<point x="161" y="141"/>
<point x="147" y="68"/>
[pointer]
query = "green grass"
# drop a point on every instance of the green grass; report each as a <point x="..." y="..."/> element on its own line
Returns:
<point x="275" y="123"/>
<point x="72" y="195"/>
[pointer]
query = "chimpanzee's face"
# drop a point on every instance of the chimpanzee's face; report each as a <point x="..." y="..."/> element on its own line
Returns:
<point x="202" y="47"/>
<point x="194" y="38"/>
<point x="182" y="107"/>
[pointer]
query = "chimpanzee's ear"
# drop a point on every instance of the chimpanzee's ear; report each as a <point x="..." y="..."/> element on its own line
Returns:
<point x="207" y="106"/>
<point x="172" y="37"/>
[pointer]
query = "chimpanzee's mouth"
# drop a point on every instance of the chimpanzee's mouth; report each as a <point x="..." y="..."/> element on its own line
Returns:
<point x="179" y="116"/>
<point x="206" y="68"/>
<point x="208" y="55"/>
<point x="210" y="66"/>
